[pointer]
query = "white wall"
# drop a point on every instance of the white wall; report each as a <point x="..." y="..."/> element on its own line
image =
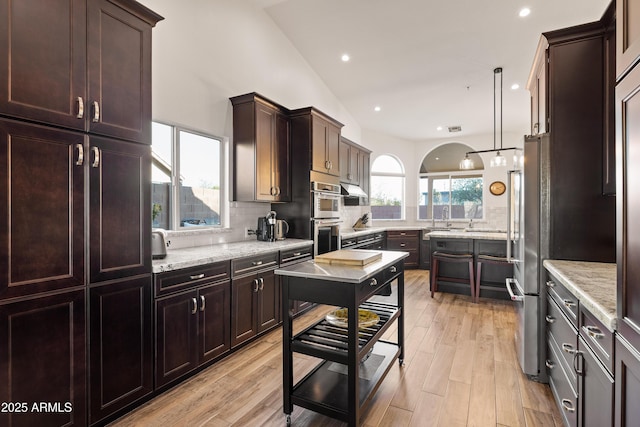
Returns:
<point x="411" y="153"/>
<point x="206" y="51"/>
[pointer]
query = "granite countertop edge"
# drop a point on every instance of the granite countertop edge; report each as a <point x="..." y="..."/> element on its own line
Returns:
<point x="593" y="283"/>
<point x="177" y="259"/>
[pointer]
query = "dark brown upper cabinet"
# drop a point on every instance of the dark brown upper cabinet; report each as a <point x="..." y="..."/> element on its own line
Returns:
<point x="627" y="36"/>
<point x="311" y="127"/>
<point x="350" y="163"/>
<point x="84" y="65"/>
<point x="261" y="150"/>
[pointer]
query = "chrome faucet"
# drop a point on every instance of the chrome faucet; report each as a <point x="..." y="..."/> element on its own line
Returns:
<point x="445" y="213"/>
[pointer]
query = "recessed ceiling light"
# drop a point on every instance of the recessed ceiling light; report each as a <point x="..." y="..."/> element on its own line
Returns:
<point x="345" y="57"/>
<point x="377" y="108"/>
<point x="439" y="128"/>
<point x="525" y="11"/>
<point x="515" y="86"/>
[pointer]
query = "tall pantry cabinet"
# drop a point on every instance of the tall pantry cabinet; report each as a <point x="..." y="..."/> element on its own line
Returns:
<point x="75" y="220"/>
<point x="627" y="96"/>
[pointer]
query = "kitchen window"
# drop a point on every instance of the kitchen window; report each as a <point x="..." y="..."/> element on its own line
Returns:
<point x="186" y="178"/>
<point x="453" y="196"/>
<point x="387" y="188"/>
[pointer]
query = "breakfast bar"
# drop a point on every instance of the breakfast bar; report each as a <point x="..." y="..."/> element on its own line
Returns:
<point x="355" y="359"/>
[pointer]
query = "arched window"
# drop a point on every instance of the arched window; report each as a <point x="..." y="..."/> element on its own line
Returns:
<point x="446" y="193"/>
<point x="387" y="188"/>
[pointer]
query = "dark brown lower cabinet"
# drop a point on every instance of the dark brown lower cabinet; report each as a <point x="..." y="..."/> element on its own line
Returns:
<point x="120" y="345"/>
<point x="42" y="361"/>
<point x="192" y="327"/>
<point x="255" y="305"/>
<point x="627" y="384"/>
<point x="596" y="390"/>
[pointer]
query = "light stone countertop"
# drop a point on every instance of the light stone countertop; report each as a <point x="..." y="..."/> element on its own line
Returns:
<point x="462" y="234"/>
<point x="593" y="283"/>
<point x="341" y="273"/>
<point x="200" y="255"/>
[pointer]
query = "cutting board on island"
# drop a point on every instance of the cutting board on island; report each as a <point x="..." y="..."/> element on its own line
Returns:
<point x="356" y="257"/>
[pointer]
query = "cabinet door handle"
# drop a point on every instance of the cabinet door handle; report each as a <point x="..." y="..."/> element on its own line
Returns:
<point x="373" y="282"/>
<point x="550" y="284"/>
<point x="194" y="310"/>
<point x="261" y="284"/>
<point x="277" y="190"/>
<point x="96" y="111"/>
<point x="256" y="263"/>
<point x="202" y="303"/>
<point x="549" y="318"/>
<point x="96" y="157"/>
<point x="197" y="276"/>
<point x="255" y="282"/>
<point x="80" y="159"/>
<point x="568" y="348"/>
<point x="326" y="164"/>
<point x="567" y="405"/>
<point x="568" y="303"/>
<point x="594" y="332"/>
<point x="80" y="108"/>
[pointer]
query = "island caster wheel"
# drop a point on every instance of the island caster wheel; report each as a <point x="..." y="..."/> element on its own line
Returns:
<point x="288" y="419"/>
<point x="401" y="362"/>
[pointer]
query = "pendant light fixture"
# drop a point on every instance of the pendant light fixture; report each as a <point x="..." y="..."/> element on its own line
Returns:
<point x="499" y="160"/>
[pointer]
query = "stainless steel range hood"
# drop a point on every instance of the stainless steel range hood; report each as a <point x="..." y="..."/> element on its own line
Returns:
<point x="350" y="190"/>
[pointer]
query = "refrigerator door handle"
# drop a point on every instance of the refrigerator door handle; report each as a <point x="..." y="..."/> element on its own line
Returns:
<point x="514" y="297"/>
<point x="510" y="215"/>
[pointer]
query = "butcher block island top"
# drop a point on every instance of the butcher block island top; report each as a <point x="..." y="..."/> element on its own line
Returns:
<point x="343" y="273"/>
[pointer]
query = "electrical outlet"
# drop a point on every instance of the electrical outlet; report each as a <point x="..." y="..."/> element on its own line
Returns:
<point x="246" y="232"/>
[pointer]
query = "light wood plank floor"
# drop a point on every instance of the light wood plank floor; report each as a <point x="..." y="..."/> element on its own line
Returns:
<point x="460" y="370"/>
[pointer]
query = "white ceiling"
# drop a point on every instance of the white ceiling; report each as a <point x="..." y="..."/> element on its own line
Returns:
<point x="426" y="63"/>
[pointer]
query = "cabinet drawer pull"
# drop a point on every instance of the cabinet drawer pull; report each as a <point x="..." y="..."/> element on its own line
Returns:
<point x="373" y="282"/>
<point x="402" y="245"/>
<point x="550" y="284"/>
<point x="297" y="253"/>
<point x="80" y="160"/>
<point x="568" y="303"/>
<point x="96" y="157"/>
<point x="256" y="263"/>
<point x="550" y="364"/>
<point x="202" y="302"/>
<point x="549" y="318"/>
<point x="194" y="310"/>
<point x="393" y="269"/>
<point x="594" y="332"/>
<point x="96" y="111"/>
<point x="403" y="233"/>
<point x="80" y="108"/>
<point x="197" y="276"/>
<point x="568" y="348"/>
<point x="567" y="405"/>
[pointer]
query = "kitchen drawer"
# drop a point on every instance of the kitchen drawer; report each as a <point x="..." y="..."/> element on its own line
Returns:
<point x="370" y="286"/>
<point x="295" y="255"/>
<point x="347" y="243"/>
<point x="562" y="386"/>
<point x="251" y="264"/>
<point x="560" y="329"/>
<point x="597" y="337"/>
<point x="403" y="233"/>
<point x="185" y="278"/>
<point x="366" y="239"/>
<point x="565" y="299"/>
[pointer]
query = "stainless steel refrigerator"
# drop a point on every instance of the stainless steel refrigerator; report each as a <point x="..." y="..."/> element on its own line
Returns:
<point x="528" y="228"/>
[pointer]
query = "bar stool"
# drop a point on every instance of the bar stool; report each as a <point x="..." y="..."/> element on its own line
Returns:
<point x="439" y="256"/>
<point x="489" y="259"/>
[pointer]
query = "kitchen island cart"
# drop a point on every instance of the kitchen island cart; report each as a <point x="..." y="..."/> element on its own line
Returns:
<point x="354" y="361"/>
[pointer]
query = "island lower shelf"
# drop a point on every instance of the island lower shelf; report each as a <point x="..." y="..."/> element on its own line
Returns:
<point x="329" y="342"/>
<point x="325" y="388"/>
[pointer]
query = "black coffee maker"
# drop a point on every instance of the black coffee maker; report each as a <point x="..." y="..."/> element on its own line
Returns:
<point x="267" y="227"/>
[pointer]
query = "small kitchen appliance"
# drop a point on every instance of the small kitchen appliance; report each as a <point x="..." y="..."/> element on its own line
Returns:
<point x="158" y="245"/>
<point x="266" y="227"/>
<point x="281" y="229"/>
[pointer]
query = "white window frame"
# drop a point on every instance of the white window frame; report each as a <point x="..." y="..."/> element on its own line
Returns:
<point x="174" y="196"/>
<point x="402" y="175"/>
<point x="450" y="175"/>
